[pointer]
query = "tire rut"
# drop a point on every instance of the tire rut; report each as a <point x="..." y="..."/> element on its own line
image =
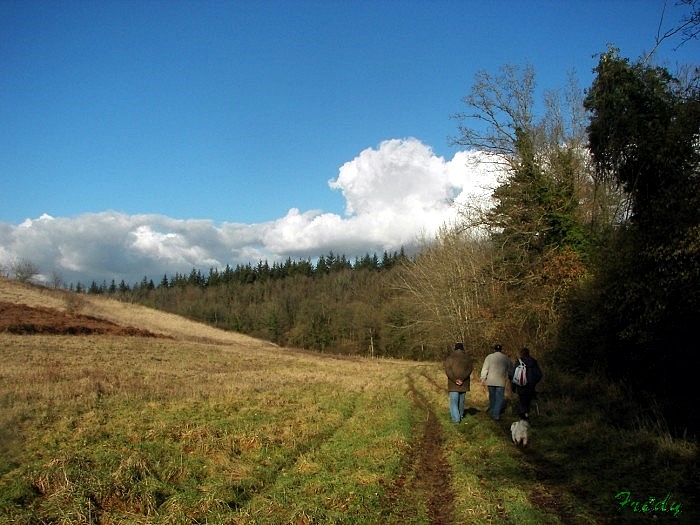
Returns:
<point x="428" y="475"/>
<point x="266" y="484"/>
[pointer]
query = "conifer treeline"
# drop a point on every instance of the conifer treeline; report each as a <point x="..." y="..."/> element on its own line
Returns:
<point x="333" y="305"/>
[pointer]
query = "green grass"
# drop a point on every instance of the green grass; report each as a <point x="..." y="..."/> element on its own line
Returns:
<point x="107" y="430"/>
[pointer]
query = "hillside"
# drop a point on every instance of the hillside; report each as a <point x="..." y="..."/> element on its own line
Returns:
<point x="148" y="418"/>
<point x="27" y="308"/>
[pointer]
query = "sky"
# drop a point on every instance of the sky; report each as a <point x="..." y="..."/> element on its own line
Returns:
<point x="143" y="138"/>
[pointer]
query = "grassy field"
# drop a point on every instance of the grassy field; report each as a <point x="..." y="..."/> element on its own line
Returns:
<point x="212" y="427"/>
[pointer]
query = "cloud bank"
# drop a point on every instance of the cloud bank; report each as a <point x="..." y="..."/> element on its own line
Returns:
<point x="394" y="195"/>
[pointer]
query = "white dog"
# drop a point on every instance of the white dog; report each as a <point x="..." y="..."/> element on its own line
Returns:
<point x="519" y="431"/>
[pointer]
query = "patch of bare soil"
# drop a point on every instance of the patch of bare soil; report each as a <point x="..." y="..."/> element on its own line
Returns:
<point x="104" y="311"/>
<point x="24" y="319"/>
<point x="428" y="474"/>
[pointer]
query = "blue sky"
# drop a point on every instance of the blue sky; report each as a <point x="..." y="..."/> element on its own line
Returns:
<point x="210" y="131"/>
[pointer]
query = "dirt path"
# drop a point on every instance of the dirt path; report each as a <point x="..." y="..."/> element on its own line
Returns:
<point x="433" y="475"/>
<point x="428" y="475"/>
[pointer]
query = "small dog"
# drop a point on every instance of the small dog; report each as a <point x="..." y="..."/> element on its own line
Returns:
<point x="519" y="431"/>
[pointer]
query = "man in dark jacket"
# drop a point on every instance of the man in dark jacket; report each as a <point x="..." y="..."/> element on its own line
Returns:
<point x="458" y="368"/>
<point x="526" y="393"/>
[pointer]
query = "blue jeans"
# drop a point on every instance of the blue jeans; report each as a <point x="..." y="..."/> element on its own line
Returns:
<point x="496" y="400"/>
<point x="457" y="406"/>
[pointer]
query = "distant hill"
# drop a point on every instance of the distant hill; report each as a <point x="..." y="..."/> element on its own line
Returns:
<point x="27" y="308"/>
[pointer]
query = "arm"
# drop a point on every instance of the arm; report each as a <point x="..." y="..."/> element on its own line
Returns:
<point x="485" y="370"/>
<point x="536" y="373"/>
<point x="453" y="371"/>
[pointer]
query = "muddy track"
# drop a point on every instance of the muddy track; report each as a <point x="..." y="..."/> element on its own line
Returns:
<point x="544" y="494"/>
<point x="428" y="475"/>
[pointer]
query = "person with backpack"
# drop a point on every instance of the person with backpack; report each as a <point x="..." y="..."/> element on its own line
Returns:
<point x="458" y="368"/>
<point x="526" y="373"/>
<point x="494" y="374"/>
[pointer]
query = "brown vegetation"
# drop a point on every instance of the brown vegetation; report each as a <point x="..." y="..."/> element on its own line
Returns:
<point x="23" y="319"/>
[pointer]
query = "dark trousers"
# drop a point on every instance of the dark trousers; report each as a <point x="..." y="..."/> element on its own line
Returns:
<point x="526" y="395"/>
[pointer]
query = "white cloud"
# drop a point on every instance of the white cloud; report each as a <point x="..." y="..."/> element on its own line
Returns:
<point x="400" y="174"/>
<point x="394" y="194"/>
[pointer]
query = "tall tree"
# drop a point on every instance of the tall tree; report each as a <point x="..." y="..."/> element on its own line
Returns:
<point x="536" y="226"/>
<point x="643" y="135"/>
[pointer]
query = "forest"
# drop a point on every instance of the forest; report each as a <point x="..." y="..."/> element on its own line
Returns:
<point x="590" y="254"/>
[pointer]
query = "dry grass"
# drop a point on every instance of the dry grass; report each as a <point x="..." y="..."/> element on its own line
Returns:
<point x="15" y="292"/>
<point x="188" y="429"/>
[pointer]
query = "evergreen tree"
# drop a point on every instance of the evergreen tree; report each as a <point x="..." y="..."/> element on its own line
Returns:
<point x="644" y="135"/>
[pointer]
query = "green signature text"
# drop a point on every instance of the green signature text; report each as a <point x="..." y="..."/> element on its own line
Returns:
<point x="652" y="504"/>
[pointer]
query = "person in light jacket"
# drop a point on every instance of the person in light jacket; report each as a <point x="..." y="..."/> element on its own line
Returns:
<point x="458" y="368"/>
<point x="494" y="374"/>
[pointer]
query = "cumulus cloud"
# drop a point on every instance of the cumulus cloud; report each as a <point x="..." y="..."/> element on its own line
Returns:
<point x="400" y="174"/>
<point x="393" y="194"/>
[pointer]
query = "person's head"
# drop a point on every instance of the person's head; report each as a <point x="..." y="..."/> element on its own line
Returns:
<point x="497" y="348"/>
<point x="459" y="346"/>
<point x="525" y="352"/>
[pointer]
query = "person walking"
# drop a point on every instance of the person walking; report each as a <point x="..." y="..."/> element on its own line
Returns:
<point x="533" y="374"/>
<point x="458" y="368"/>
<point x="494" y="374"/>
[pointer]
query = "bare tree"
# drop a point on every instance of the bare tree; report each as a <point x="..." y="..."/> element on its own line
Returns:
<point x="498" y="105"/>
<point x="688" y="26"/>
<point x="56" y="279"/>
<point x="24" y="270"/>
<point x="449" y="282"/>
